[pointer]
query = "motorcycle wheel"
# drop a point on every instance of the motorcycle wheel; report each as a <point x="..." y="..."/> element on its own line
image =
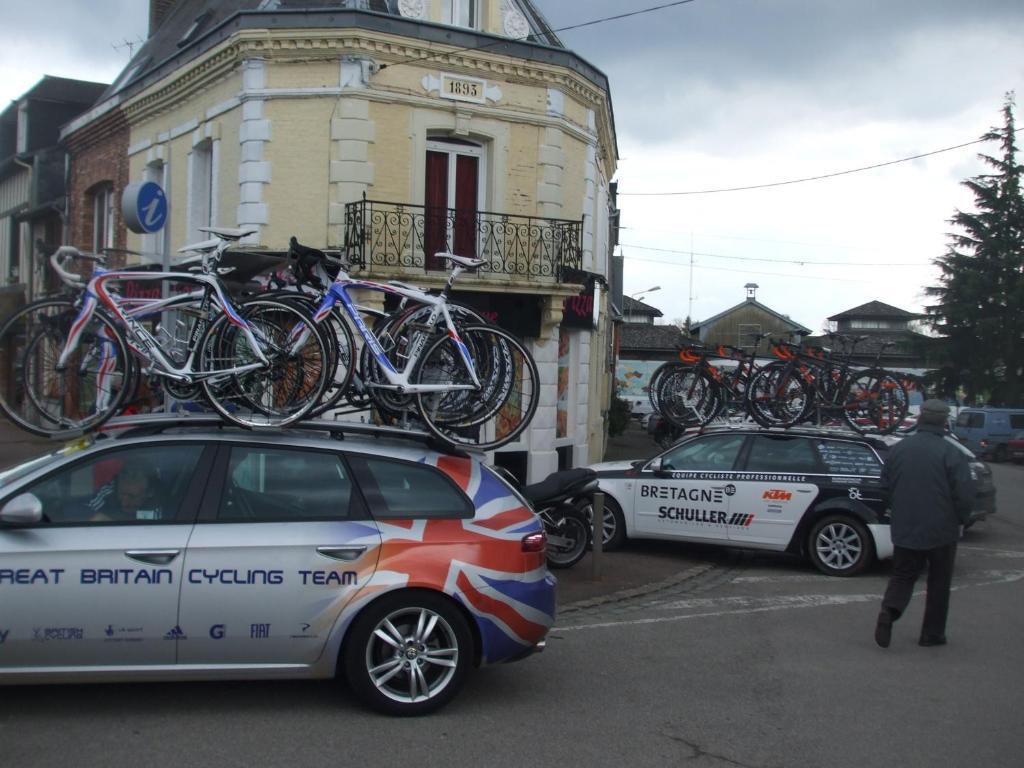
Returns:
<point x="566" y="530"/>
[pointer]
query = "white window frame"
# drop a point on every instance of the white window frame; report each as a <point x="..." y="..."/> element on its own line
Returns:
<point x="463" y="13"/>
<point x="453" y="151"/>
<point x="201" y="204"/>
<point x="103" y="218"/>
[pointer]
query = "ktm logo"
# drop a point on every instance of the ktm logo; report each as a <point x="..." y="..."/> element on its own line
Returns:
<point x="777" y="495"/>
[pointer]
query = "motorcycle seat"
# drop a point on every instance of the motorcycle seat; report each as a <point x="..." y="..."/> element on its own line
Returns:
<point x="557" y="483"/>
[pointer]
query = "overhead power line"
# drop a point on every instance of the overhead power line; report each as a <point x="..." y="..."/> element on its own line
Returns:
<point x="749" y="272"/>
<point x="808" y="178"/>
<point x="801" y="262"/>
<point x="591" y="23"/>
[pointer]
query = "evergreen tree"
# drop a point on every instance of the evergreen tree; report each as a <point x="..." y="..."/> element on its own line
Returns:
<point x="979" y="308"/>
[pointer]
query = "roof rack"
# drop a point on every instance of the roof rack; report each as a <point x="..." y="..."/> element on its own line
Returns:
<point x="154" y="424"/>
<point x="810" y="429"/>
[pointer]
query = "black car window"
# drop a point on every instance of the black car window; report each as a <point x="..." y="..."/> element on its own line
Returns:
<point x="282" y="485"/>
<point x="709" y="453"/>
<point x="1017" y="421"/>
<point x="842" y="457"/>
<point x="781" y="453"/>
<point x="129" y="486"/>
<point x="403" y="490"/>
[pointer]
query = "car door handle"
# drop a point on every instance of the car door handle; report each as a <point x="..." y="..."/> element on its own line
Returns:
<point x="343" y="553"/>
<point x="153" y="556"/>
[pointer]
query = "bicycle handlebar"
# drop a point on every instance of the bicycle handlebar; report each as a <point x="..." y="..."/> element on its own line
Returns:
<point x="69" y="278"/>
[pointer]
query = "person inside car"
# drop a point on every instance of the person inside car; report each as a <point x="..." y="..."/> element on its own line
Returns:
<point x="130" y="495"/>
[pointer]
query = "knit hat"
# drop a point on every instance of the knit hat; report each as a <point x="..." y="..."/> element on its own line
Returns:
<point x="933" y="412"/>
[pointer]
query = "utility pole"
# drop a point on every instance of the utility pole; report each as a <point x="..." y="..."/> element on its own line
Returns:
<point x="689" y="308"/>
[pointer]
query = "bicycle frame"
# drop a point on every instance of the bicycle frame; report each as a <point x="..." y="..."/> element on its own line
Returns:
<point x="398" y="381"/>
<point x="142" y="342"/>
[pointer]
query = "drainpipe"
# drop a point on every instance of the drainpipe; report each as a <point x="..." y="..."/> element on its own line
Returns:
<point x="29" y="295"/>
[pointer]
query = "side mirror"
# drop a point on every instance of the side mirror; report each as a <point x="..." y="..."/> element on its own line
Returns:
<point x="25" y="509"/>
<point x="656" y="466"/>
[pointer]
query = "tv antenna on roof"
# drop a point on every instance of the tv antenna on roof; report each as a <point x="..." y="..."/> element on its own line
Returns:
<point x="129" y="44"/>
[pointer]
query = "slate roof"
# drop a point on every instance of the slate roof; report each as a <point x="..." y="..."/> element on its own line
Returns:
<point x="634" y="307"/>
<point x="652" y="338"/>
<point x="875" y="309"/>
<point x="694" y="327"/>
<point x="215" y="20"/>
<point x="869" y="347"/>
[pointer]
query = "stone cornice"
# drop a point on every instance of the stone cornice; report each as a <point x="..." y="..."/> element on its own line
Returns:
<point x="387" y="50"/>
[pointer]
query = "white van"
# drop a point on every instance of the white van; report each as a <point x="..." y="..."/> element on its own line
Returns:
<point x="986" y="431"/>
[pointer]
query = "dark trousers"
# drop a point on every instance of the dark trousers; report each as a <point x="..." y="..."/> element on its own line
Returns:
<point x="907" y="565"/>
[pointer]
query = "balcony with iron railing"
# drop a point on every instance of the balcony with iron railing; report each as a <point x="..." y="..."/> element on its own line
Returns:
<point x="388" y="239"/>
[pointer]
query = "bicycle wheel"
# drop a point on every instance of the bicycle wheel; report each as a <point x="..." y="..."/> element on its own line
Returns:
<point x="342" y="362"/>
<point x="875" y="402"/>
<point x="778" y="396"/>
<point x="688" y="397"/>
<point x="485" y="417"/>
<point x="273" y="395"/>
<point x="652" y="386"/>
<point x="46" y="400"/>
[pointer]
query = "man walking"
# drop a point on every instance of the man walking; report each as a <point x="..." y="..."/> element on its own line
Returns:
<point x="930" y="496"/>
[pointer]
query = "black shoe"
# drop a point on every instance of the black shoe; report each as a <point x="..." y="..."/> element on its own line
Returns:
<point x="928" y="641"/>
<point x="883" y="628"/>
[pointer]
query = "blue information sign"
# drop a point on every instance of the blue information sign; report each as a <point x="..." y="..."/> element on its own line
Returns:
<point x="144" y="207"/>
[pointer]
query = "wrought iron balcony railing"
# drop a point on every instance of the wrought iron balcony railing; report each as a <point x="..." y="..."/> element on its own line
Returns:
<point x="382" y="236"/>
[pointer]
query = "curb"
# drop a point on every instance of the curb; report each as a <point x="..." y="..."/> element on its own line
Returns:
<point x="635" y="592"/>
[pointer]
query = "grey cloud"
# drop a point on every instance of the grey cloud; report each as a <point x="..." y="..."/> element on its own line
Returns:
<point x="679" y="73"/>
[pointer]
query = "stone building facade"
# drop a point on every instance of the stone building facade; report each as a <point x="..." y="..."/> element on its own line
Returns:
<point x="395" y="130"/>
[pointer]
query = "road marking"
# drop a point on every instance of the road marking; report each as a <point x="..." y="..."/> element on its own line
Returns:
<point x="737" y="606"/>
<point x="995" y="552"/>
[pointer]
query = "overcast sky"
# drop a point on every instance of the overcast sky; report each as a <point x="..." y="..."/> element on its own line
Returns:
<point x="727" y="93"/>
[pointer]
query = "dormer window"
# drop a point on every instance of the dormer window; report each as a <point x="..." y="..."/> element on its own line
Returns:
<point x="193" y="29"/>
<point x="464" y="13"/>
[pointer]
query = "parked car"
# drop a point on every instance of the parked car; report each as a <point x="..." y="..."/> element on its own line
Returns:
<point x="193" y="552"/>
<point x="988" y="431"/>
<point x="1016" y="448"/>
<point x="814" y="492"/>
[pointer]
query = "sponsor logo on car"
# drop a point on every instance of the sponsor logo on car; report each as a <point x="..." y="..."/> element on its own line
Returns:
<point x="45" y="634"/>
<point x="175" y="634"/>
<point x="259" y="631"/>
<point x="3" y="635"/>
<point x="217" y="631"/>
<point x="777" y="494"/>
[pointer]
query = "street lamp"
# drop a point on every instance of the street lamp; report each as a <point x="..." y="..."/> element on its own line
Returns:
<point x="648" y="290"/>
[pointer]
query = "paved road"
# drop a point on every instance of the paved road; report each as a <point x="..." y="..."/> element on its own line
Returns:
<point x="737" y="659"/>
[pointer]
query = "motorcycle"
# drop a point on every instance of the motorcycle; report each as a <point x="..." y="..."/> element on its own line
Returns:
<point x="560" y="501"/>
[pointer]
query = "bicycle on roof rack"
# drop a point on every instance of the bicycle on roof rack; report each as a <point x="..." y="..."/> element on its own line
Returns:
<point x="247" y="361"/>
<point x="694" y="392"/>
<point x="470" y="383"/>
<point x="870" y="400"/>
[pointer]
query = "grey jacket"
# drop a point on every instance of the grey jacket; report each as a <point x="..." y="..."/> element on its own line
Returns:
<point x="931" y="491"/>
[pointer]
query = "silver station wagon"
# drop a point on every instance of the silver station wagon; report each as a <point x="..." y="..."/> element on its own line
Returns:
<point x="184" y="551"/>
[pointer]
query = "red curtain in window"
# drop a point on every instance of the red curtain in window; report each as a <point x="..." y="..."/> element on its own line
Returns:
<point x="435" y="230"/>
<point x="466" y="180"/>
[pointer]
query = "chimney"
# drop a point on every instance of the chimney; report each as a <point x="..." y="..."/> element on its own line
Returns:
<point x="159" y="10"/>
<point x="751" y="291"/>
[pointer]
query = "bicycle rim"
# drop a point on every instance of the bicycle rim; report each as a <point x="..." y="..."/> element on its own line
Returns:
<point x="495" y="413"/>
<point x="273" y="395"/>
<point x="43" y="400"/>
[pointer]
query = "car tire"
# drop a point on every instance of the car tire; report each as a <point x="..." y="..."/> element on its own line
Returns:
<point x="840" y="545"/>
<point x="422" y="664"/>
<point x="614" y="525"/>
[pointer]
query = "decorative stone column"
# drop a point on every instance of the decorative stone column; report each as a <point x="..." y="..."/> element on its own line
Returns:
<point x="254" y="133"/>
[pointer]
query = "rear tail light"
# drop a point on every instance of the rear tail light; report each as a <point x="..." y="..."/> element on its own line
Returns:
<point x="535" y="542"/>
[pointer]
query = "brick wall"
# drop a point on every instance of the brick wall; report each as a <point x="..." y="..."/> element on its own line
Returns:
<point x="98" y="154"/>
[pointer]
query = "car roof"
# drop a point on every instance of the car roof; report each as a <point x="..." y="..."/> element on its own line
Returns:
<point x="836" y="433"/>
<point x="320" y="434"/>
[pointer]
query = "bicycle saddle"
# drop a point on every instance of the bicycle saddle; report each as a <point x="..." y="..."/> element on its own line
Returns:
<point x="462" y="261"/>
<point x="224" y="233"/>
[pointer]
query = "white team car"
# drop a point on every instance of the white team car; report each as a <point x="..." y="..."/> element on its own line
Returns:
<point x="809" y="491"/>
